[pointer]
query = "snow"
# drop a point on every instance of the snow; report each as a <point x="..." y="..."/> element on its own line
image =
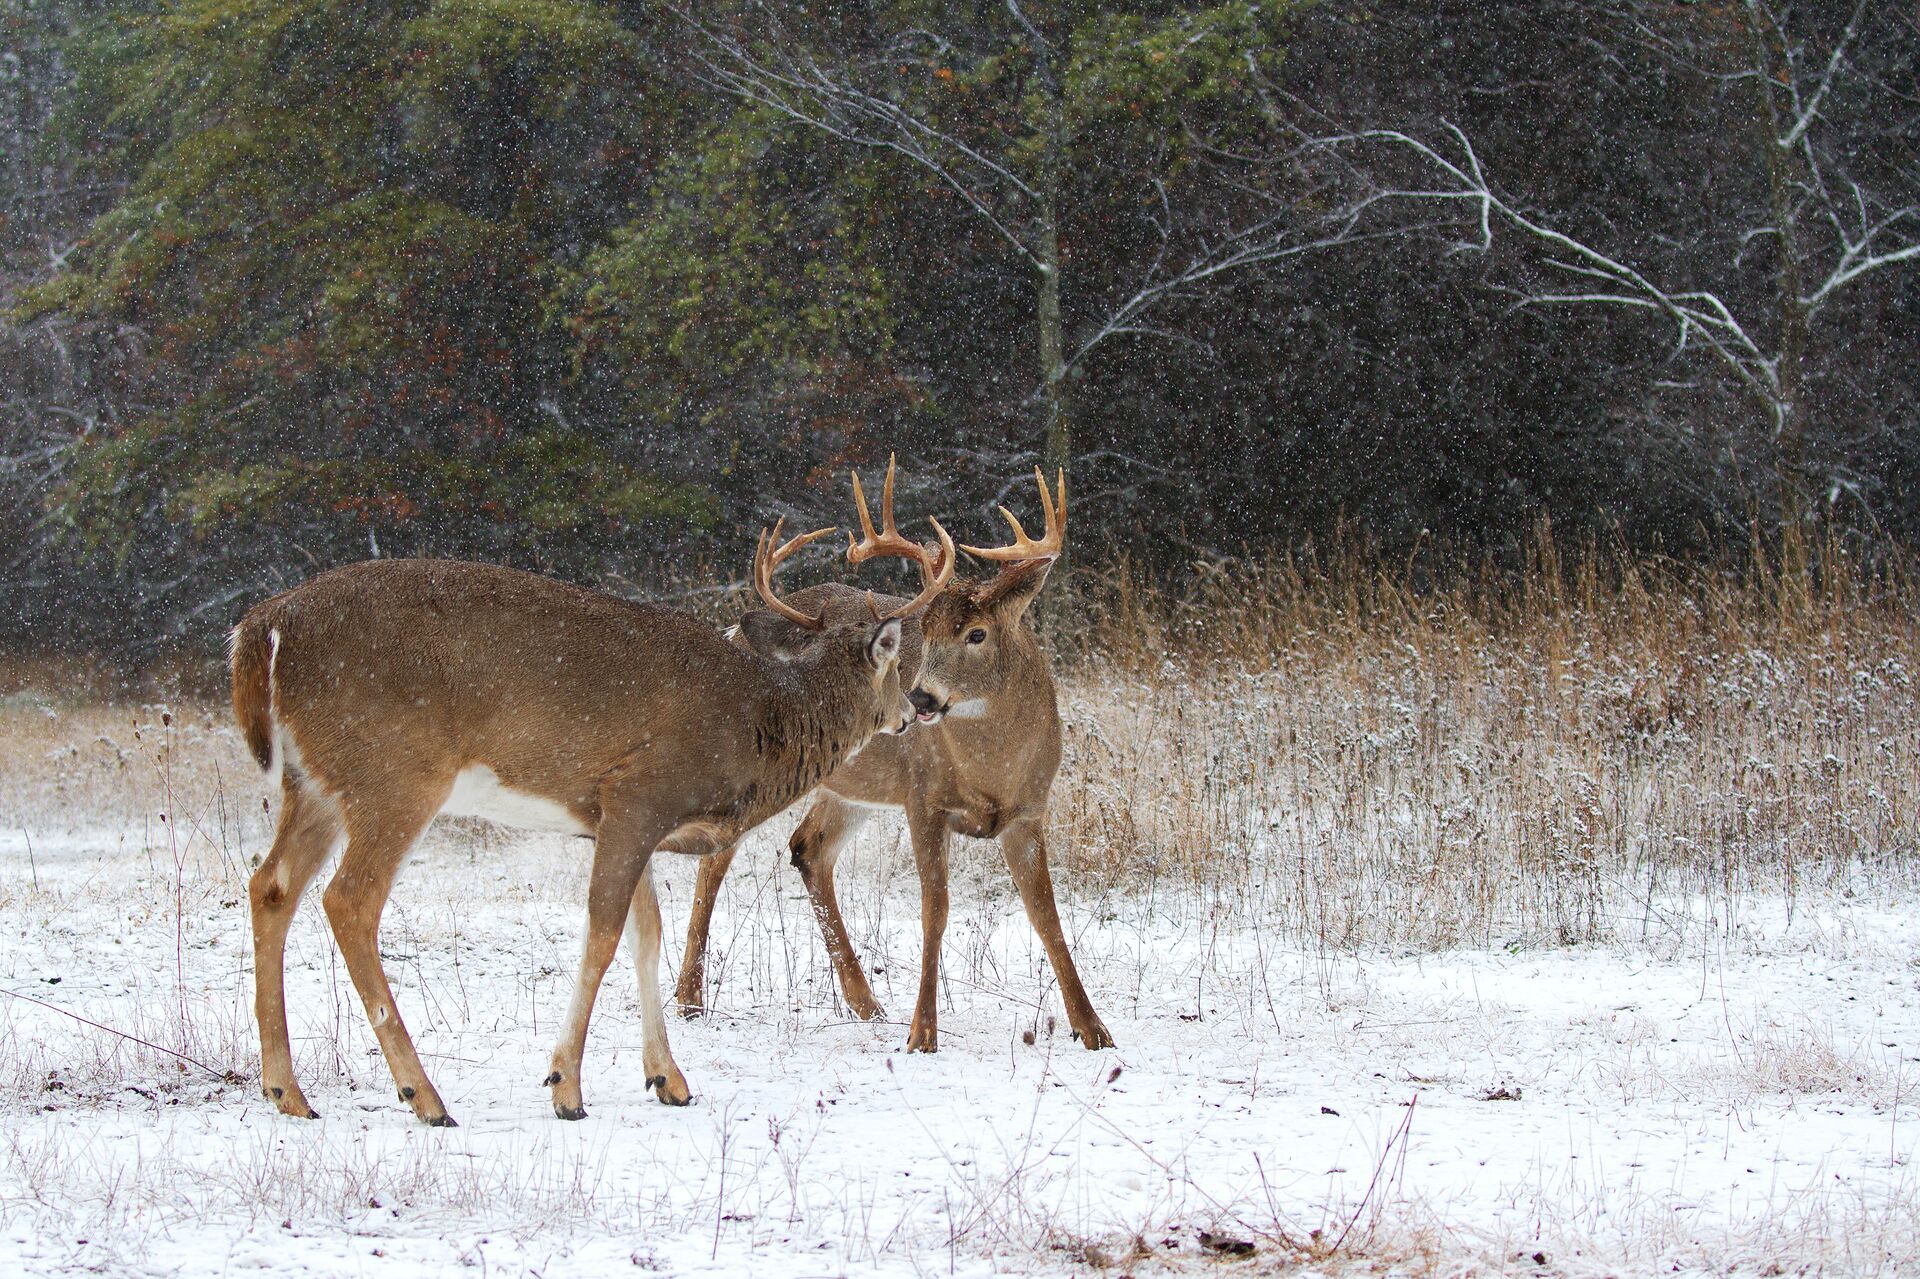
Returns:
<point x="1724" y="1095"/>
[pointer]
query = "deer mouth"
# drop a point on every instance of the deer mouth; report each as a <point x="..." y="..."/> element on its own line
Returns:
<point x="928" y="709"/>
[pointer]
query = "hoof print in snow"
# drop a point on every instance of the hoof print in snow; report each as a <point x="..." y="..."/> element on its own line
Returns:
<point x="1502" y="1091"/>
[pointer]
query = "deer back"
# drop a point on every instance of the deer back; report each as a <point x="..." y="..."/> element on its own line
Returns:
<point x="397" y="673"/>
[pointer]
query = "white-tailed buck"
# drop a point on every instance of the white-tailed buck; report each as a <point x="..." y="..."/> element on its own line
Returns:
<point x="387" y="692"/>
<point x="981" y="762"/>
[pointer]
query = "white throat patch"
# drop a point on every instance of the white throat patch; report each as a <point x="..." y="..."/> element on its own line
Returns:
<point x="972" y="708"/>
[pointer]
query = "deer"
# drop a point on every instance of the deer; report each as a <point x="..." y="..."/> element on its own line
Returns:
<point x="980" y="761"/>
<point x="381" y="694"/>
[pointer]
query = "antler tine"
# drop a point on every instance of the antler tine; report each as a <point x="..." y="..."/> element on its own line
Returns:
<point x="936" y="579"/>
<point x="889" y="540"/>
<point x="936" y="563"/>
<point x="1025" y="547"/>
<point x="768" y="555"/>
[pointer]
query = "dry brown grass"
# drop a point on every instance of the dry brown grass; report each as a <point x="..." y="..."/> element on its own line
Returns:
<point x="1595" y="747"/>
<point x="1582" y="750"/>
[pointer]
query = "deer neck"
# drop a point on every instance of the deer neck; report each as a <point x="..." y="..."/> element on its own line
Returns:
<point x="814" y="716"/>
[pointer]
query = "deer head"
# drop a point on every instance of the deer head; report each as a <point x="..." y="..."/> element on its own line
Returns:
<point x="975" y="645"/>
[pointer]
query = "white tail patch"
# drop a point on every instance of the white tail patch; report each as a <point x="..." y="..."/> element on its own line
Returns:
<point x="278" y="742"/>
<point x="479" y="792"/>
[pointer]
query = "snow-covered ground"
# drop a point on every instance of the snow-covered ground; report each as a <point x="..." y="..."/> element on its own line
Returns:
<point x="1724" y="1094"/>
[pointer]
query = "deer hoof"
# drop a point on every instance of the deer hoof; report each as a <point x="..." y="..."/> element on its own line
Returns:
<point x="1095" y="1037"/>
<point x="570" y="1112"/>
<point x="290" y="1102"/>
<point x="442" y="1121"/>
<point x="671" y="1092"/>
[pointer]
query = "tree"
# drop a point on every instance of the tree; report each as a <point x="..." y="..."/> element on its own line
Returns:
<point x="1041" y="120"/>
<point x="1837" y="200"/>
<point x="343" y="229"/>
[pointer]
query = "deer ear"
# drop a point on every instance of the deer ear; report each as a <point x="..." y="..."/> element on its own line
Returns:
<point x="1009" y="594"/>
<point x="771" y="635"/>
<point x="883" y="646"/>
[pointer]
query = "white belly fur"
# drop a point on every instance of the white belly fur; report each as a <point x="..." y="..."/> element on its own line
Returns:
<point x="477" y="792"/>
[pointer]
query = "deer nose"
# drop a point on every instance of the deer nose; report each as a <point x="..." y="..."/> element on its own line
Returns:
<point x="926" y="707"/>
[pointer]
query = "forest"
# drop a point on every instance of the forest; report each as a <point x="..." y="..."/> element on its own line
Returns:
<point x="601" y="288"/>
<point x="1457" y="796"/>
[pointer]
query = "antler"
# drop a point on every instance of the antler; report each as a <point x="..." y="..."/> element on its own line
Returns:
<point x="1024" y="547"/>
<point x="766" y="560"/>
<point x="936" y="567"/>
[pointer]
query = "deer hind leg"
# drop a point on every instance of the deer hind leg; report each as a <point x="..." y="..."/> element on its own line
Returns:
<point x="643" y="933"/>
<point x="381" y="831"/>
<point x="1024" y="845"/>
<point x="690" y="991"/>
<point x="620" y="857"/>
<point x="815" y="848"/>
<point x="929" y="832"/>
<point x="308" y="832"/>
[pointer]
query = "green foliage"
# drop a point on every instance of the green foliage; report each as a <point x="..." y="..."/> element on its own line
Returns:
<point x="1147" y="73"/>
<point x="741" y="263"/>
<point x="342" y="229"/>
<point x="377" y="251"/>
<point x="550" y="481"/>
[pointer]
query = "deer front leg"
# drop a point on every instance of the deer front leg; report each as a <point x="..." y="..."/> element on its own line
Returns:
<point x="815" y="848"/>
<point x="620" y="857"/>
<point x="929" y="832"/>
<point x="1024" y="845"/>
<point x="690" y="992"/>
<point x="643" y="932"/>
<point x="380" y="834"/>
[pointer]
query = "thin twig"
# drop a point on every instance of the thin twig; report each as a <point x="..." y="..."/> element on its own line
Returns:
<point x="225" y="1076"/>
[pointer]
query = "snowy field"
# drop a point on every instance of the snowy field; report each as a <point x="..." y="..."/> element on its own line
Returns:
<point x="1720" y="1081"/>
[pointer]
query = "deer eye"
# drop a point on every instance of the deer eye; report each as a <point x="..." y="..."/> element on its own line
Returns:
<point x="977" y="635"/>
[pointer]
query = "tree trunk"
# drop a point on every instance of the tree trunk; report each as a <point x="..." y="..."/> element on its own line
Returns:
<point x="1057" y="440"/>
<point x="1056" y="448"/>
<point x="1788" y="409"/>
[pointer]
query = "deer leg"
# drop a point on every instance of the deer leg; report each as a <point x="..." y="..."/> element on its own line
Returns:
<point x="929" y="832"/>
<point x="379" y="837"/>
<point x="1024" y="845"/>
<point x="643" y="933"/>
<point x="815" y="848"/>
<point x="619" y="859"/>
<point x="690" y="991"/>
<point x="309" y="830"/>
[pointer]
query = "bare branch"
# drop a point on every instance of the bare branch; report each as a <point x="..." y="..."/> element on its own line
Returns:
<point x="1697" y="315"/>
<point x="1805" y="115"/>
<point x="797" y="88"/>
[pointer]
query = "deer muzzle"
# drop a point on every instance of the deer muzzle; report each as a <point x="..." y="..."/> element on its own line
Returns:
<point x="927" y="708"/>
